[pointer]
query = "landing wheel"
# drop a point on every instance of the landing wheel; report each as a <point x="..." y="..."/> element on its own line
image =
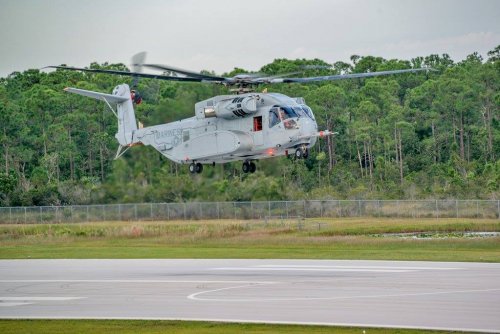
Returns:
<point x="253" y="168"/>
<point x="299" y="153"/>
<point x="199" y="168"/>
<point x="245" y="167"/>
<point x="305" y="155"/>
<point x="192" y="168"/>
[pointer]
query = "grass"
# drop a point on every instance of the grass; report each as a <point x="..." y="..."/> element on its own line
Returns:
<point x="184" y="327"/>
<point x="348" y="238"/>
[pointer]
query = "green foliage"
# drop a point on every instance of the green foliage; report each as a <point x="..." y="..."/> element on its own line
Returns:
<point x="426" y="135"/>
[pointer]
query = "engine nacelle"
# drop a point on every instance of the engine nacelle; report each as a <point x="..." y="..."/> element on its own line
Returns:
<point x="235" y="108"/>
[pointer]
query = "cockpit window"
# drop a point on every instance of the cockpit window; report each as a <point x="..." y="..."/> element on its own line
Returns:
<point x="274" y="117"/>
<point x="284" y="114"/>
<point x="308" y="111"/>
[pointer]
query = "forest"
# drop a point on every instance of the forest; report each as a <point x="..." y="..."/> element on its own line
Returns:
<point x="428" y="135"/>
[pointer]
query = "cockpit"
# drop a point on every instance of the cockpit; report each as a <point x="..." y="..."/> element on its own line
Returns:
<point x="286" y="114"/>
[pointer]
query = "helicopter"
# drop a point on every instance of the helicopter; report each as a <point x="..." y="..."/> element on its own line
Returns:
<point x="246" y="126"/>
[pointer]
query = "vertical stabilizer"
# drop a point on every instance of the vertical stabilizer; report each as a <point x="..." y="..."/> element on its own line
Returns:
<point x="126" y="116"/>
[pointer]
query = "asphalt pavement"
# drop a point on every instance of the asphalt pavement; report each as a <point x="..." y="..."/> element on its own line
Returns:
<point x="434" y="295"/>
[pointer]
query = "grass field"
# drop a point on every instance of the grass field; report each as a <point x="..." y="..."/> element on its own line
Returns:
<point x="182" y="327"/>
<point x="348" y="238"/>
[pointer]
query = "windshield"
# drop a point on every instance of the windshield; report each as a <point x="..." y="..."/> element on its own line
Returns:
<point x="307" y="111"/>
<point x="279" y="114"/>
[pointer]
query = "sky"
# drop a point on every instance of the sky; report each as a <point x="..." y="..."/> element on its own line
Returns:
<point x="220" y="35"/>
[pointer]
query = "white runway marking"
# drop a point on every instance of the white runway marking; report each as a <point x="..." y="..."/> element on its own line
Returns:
<point x="38" y="299"/>
<point x="2" y="304"/>
<point x="355" y="267"/>
<point x="314" y="269"/>
<point x="121" y="281"/>
<point x="19" y="301"/>
<point x="194" y="296"/>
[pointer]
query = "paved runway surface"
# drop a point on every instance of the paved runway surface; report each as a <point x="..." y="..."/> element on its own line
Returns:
<point x="364" y="293"/>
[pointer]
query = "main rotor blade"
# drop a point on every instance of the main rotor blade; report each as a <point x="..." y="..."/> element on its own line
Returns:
<point x="137" y="61"/>
<point x="347" y="76"/>
<point x="185" y="72"/>
<point x="136" y="66"/>
<point x="131" y="74"/>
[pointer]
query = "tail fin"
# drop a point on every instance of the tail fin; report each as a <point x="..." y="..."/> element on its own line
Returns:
<point x="127" y="123"/>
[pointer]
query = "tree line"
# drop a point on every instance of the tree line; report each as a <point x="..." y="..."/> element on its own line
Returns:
<point x="410" y="136"/>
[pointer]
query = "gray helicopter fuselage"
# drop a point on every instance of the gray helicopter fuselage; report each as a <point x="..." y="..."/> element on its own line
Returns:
<point x="228" y="128"/>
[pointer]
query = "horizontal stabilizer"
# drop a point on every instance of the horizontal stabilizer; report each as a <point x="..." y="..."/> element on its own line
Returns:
<point x="98" y="96"/>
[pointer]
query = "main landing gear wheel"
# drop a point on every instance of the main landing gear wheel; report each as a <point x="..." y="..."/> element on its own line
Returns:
<point x="199" y="168"/>
<point x="253" y="168"/>
<point x="245" y="167"/>
<point x="195" y="168"/>
<point x="301" y="153"/>
<point x="248" y="167"/>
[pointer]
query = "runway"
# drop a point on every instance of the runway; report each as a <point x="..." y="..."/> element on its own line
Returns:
<point x="434" y="295"/>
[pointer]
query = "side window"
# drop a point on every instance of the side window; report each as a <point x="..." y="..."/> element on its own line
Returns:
<point x="257" y="123"/>
<point x="185" y="135"/>
<point x="274" y="117"/>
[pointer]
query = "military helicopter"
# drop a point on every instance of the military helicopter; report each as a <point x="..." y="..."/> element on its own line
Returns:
<point x="246" y="126"/>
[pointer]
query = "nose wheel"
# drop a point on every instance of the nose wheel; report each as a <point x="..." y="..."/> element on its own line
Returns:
<point x="302" y="153"/>
<point x="195" y="168"/>
<point x="248" y="167"/>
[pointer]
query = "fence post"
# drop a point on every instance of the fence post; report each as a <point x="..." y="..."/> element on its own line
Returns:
<point x="269" y="209"/>
<point x="286" y="205"/>
<point x="184" y="210"/>
<point x="41" y="220"/>
<point x="498" y="208"/>
<point x="25" y="217"/>
<point x="151" y="211"/>
<point x="359" y="208"/>
<point x="168" y="211"/>
<point x="88" y="213"/>
<point x="305" y="209"/>
<point x="437" y="209"/>
<point x="456" y="206"/>
<point x="119" y="212"/>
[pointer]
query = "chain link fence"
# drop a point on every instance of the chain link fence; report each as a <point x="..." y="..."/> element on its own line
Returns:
<point x="253" y="210"/>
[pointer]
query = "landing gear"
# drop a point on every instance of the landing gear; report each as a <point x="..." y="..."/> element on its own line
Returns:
<point x="248" y="167"/>
<point x="253" y="168"/>
<point x="195" y="168"/>
<point x="301" y="153"/>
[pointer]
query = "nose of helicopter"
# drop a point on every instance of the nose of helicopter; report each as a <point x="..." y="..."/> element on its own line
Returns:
<point x="307" y="126"/>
